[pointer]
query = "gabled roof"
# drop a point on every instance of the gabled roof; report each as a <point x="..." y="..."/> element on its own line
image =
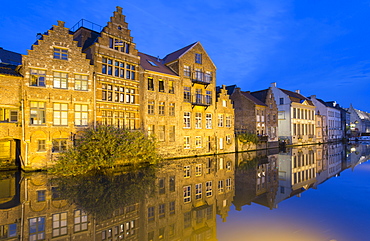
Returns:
<point x="295" y="97"/>
<point x="230" y="89"/>
<point x="152" y="63"/>
<point x="9" y="57"/>
<point x="9" y="69"/>
<point x="261" y="95"/>
<point x="363" y="115"/>
<point x="252" y="98"/>
<point x="177" y="54"/>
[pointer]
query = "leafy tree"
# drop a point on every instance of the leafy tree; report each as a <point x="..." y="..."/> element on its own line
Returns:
<point x="105" y="147"/>
<point x="248" y="138"/>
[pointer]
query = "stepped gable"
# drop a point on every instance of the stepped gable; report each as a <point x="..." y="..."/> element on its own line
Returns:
<point x="9" y="57"/>
<point x="152" y="63"/>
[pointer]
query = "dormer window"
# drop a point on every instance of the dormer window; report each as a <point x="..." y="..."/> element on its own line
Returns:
<point x="198" y="58"/>
<point x="60" y="53"/>
<point x="152" y="63"/>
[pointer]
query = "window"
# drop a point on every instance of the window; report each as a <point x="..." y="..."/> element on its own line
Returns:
<point x="160" y="85"/>
<point x="198" y="191"/>
<point x="209" y="188"/>
<point x="119" y="44"/>
<point x="172" y="184"/>
<point x="81" y="115"/>
<point x="187" y="95"/>
<point x="171" y="109"/>
<point x="186" y="142"/>
<point x="60" y="53"/>
<point x="59" y="224"/>
<point x="198" y="75"/>
<point x="187" y="220"/>
<point x="221" y="186"/>
<point x="187" y="194"/>
<point x="59" y="145"/>
<point x="81" y="82"/>
<point x="161" y="210"/>
<point x="186" y="71"/>
<point x="37" y="77"/>
<point x="281" y="101"/>
<point x="228" y="184"/>
<point x="172" y="135"/>
<point x="208" y="97"/>
<point x="198" y="120"/>
<point x="161" y="108"/>
<point x="151" y="107"/>
<point x="161" y="133"/>
<point x="8" y="115"/>
<point x="37" y="228"/>
<point x="208" y="77"/>
<point x="186" y="119"/>
<point x="198" y="58"/>
<point x="228" y="121"/>
<point x="220" y="120"/>
<point x="118" y="68"/>
<point x="208" y="121"/>
<point x="8" y="231"/>
<point x="60" y="114"/>
<point x="41" y="195"/>
<point x="186" y="171"/>
<point x="228" y="139"/>
<point x="161" y="186"/>
<point x="171" y="88"/>
<point x="198" y="142"/>
<point x="198" y="170"/>
<point x="150" y="84"/>
<point x="41" y="145"/>
<point x="172" y="207"/>
<point x="150" y="214"/>
<point x="130" y="71"/>
<point x="60" y="80"/>
<point x="150" y="130"/>
<point x="80" y="221"/>
<point x="37" y="116"/>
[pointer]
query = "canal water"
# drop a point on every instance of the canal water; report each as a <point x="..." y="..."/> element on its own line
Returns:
<point x="307" y="193"/>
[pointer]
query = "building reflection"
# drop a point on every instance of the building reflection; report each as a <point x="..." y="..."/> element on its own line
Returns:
<point x="178" y="200"/>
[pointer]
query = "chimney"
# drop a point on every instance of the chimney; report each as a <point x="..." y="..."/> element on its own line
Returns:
<point x="313" y="97"/>
<point x="273" y="84"/>
<point x="298" y="91"/>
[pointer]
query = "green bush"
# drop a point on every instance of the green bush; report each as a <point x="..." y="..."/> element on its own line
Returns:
<point x="105" y="147"/>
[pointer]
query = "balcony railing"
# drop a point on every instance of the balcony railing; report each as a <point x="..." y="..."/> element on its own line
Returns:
<point x="202" y="100"/>
<point x="201" y="78"/>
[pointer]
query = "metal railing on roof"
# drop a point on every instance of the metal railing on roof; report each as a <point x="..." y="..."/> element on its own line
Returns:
<point x="87" y="24"/>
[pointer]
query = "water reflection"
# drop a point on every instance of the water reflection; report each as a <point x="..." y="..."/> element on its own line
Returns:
<point x="178" y="200"/>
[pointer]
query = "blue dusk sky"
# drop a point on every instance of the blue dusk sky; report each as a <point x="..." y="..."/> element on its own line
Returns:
<point x="320" y="47"/>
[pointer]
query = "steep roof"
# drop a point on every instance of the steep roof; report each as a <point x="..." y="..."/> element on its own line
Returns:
<point x="363" y="115"/>
<point x="9" y="57"/>
<point x="230" y="89"/>
<point x="152" y="63"/>
<point x="252" y="98"/>
<point x="296" y="97"/>
<point x="9" y="69"/>
<point x="261" y="95"/>
<point x="177" y="54"/>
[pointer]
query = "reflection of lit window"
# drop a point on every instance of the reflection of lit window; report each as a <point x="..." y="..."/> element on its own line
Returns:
<point x="198" y="191"/>
<point x="59" y="224"/>
<point x="209" y="188"/>
<point x="187" y="194"/>
<point x="80" y="221"/>
<point x="186" y="171"/>
<point x="41" y="195"/>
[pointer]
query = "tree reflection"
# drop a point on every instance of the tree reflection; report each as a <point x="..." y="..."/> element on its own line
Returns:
<point x="101" y="194"/>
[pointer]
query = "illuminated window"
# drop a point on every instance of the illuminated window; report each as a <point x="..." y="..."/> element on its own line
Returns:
<point x="8" y="115"/>
<point x="187" y="95"/>
<point x="60" y="80"/>
<point x="198" y="142"/>
<point x="228" y="121"/>
<point x="221" y="186"/>
<point x="41" y="145"/>
<point x="171" y="109"/>
<point x="228" y="184"/>
<point x="81" y="115"/>
<point x="151" y="107"/>
<point x="208" y="121"/>
<point x="171" y="88"/>
<point x="198" y="170"/>
<point x="208" y="97"/>
<point x="160" y="85"/>
<point x="150" y="130"/>
<point x="209" y="188"/>
<point x="220" y="120"/>
<point x="37" y="115"/>
<point x="161" y="108"/>
<point x="81" y="82"/>
<point x="186" y="171"/>
<point x="59" y="224"/>
<point x="150" y="84"/>
<point x="186" y="71"/>
<point x="37" y="77"/>
<point x="60" y="53"/>
<point x="208" y="77"/>
<point x="60" y="114"/>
